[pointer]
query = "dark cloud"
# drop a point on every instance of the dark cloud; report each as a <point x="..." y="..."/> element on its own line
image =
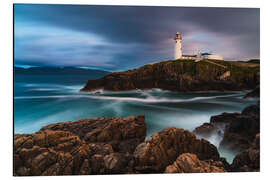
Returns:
<point x="121" y="37"/>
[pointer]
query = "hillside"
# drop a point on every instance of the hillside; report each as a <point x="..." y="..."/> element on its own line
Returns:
<point x="182" y="75"/>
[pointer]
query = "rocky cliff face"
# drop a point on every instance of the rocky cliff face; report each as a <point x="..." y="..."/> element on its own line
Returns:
<point x="108" y="146"/>
<point x="181" y="75"/>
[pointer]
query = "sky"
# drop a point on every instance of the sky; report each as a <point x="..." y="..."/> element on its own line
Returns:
<point x="116" y="38"/>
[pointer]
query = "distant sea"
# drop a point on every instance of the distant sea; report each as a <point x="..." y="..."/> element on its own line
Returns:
<point x="44" y="99"/>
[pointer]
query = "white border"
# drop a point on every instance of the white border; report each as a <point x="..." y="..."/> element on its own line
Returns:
<point x="6" y="84"/>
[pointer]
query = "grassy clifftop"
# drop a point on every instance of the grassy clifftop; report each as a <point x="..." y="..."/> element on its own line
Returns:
<point x="182" y="75"/>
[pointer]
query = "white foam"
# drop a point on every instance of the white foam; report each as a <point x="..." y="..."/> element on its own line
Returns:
<point x="50" y="97"/>
<point x="44" y="89"/>
<point x="97" y="91"/>
<point x="149" y="99"/>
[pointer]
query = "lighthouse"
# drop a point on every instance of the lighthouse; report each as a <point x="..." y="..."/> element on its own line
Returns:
<point x="178" y="46"/>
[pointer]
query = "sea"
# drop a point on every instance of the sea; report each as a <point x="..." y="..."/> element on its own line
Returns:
<point x="44" y="99"/>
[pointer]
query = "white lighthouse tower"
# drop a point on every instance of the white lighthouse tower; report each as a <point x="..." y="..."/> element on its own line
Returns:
<point x="178" y="46"/>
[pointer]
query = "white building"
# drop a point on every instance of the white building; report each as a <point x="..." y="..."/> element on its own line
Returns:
<point x="209" y="56"/>
<point x="178" y="46"/>
<point x="200" y="56"/>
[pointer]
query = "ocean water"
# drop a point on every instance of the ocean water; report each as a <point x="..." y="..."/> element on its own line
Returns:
<point x="42" y="100"/>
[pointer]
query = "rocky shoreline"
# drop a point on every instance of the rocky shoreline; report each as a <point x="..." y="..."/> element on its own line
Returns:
<point x="118" y="146"/>
<point x="241" y="133"/>
<point x="182" y="76"/>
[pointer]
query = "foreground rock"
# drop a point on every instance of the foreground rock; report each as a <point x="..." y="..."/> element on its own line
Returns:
<point x="249" y="159"/>
<point x="162" y="149"/>
<point x="108" y="146"/>
<point x="241" y="134"/>
<point x="239" y="129"/>
<point x="181" y="75"/>
<point x="123" y="134"/>
<point x="89" y="146"/>
<point x="189" y="163"/>
<point x="118" y="146"/>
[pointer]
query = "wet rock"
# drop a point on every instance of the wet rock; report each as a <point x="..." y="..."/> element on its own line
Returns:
<point x="189" y="163"/>
<point x="249" y="159"/>
<point x="207" y="130"/>
<point x="237" y="130"/>
<point x="67" y="148"/>
<point x="254" y="93"/>
<point x="115" y="163"/>
<point x="153" y="155"/>
<point x="123" y="134"/>
<point x="241" y="131"/>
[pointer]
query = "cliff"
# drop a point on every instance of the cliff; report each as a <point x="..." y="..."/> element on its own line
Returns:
<point x="182" y="75"/>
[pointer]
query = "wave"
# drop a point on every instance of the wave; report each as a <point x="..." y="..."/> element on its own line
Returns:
<point x="148" y="99"/>
<point x="43" y="89"/>
<point x="50" y="97"/>
<point x="51" y="85"/>
<point x="151" y="99"/>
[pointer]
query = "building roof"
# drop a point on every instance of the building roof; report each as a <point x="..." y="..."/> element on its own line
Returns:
<point x="189" y="55"/>
<point x="205" y="54"/>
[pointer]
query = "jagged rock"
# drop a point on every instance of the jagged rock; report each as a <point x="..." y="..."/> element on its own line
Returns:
<point x="253" y="110"/>
<point x="239" y="128"/>
<point x="49" y="153"/>
<point x="116" y="162"/>
<point x="254" y="93"/>
<point x="180" y="75"/>
<point x="206" y="130"/>
<point x="249" y="159"/>
<point x="153" y="155"/>
<point x="61" y="149"/>
<point x="241" y="131"/>
<point x="189" y="163"/>
<point x="241" y="135"/>
<point x="123" y="134"/>
<point x="65" y="148"/>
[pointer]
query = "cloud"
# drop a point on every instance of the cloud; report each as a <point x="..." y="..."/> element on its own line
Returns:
<point x="123" y="37"/>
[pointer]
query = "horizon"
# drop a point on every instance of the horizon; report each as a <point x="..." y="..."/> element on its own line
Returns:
<point x="101" y="38"/>
<point x="87" y="68"/>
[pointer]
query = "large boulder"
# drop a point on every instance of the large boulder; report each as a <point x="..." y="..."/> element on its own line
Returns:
<point x="206" y="130"/>
<point x="48" y="153"/>
<point x="124" y="134"/>
<point x="241" y="131"/>
<point x="153" y="155"/>
<point x="249" y="159"/>
<point x="90" y="146"/>
<point x="189" y="163"/>
<point x="237" y="130"/>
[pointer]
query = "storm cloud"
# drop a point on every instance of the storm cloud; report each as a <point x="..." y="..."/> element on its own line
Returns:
<point x="121" y="37"/>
